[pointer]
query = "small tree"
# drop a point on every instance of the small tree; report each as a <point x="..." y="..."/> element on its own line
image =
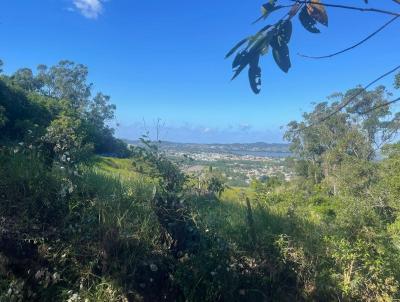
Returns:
<point x="158" y="166"/>
<point x="68" y="141"/>
<point x="216" y="186"/>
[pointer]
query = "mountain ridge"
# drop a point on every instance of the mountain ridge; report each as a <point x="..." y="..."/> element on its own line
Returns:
<point x="220" y="147"/>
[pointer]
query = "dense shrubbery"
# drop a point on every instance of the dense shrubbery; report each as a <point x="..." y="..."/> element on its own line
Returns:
<point x="61" y="234"/>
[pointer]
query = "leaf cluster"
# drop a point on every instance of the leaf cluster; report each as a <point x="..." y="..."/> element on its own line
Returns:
<point x="311" y="13"/>
<point x="274" y="37"/>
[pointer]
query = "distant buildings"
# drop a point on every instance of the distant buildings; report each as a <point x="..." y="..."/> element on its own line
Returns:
<point x="237" y="168"/>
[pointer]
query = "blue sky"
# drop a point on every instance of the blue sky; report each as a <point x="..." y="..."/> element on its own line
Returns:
<point x="165" y="59"/>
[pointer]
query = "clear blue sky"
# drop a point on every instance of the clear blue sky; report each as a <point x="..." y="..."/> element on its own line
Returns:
<point x="165" y="59"/>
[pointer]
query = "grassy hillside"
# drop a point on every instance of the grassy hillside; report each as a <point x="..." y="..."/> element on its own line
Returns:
<point x="103" y="241"/>
<point x="78" y="226"/>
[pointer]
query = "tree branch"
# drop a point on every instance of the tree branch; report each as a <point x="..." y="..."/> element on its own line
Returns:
<point x="381" y="105"/>
<point x="353" y="46"/>
<point x="361" y="9"/>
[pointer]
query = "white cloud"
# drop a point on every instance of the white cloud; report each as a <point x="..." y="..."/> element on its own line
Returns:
<point x="89" y="8"/>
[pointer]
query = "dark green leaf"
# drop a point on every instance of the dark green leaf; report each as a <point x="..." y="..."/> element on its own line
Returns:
<point x="257" y="46"/>
<point x="285" y="32"/>
<point x="236" y="47"/>
<point x="262" y="41"/>
<point x="240" y="56"/>
<point x="255" y="75"/>
<point x="238" y="71"/>
<point x="241" y="61"/>
<point x="308" y="22"/>
<point x="281" y="57"/>
<point x="265" y="28"/>
<point x="261" y="37"/>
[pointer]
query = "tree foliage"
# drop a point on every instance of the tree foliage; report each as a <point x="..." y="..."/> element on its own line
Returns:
<point x="57" y="102"/>
<point x="330" y="150"/>
<point x="275" y="37"/>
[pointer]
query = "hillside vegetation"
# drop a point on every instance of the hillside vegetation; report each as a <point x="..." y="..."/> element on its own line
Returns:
<point x="84" y="218"/>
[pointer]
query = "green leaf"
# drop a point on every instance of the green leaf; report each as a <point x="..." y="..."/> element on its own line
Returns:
<point x="267" y="9"/>
<point x="281" y="57"/>
<point x="266" y="27"/>
<point x="285" y="31"/>
<point x="240" y="63"/>
<point x="255" y="74"/>
<point x="236" y="47"/>
<point x="250" y="55"/>
<point x="262" y="41"/>
<point x="307" y="21"/>
<point x="275" y="41"/>
<point x="261" y="34"/>
<point x="239" y="58"/>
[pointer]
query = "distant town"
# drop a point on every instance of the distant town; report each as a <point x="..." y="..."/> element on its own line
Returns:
<point x="239" y="164"/>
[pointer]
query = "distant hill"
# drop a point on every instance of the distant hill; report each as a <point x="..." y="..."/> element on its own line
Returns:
<point x="221" y="148"/>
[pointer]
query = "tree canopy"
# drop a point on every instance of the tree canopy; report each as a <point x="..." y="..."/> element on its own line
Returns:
<point x="55" y="106"/>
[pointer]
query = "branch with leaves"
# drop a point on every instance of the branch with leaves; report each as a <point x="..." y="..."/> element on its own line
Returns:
<point x="276" y="37"/>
